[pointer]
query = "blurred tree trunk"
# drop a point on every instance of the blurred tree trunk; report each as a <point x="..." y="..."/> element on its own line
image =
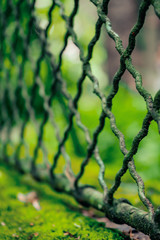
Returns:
<point x="146" y="55"/>
<point x="151" y="69"/>
<point x="122" y="15"/>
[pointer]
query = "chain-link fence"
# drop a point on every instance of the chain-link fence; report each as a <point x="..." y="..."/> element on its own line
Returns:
<point x="26" y="97"/>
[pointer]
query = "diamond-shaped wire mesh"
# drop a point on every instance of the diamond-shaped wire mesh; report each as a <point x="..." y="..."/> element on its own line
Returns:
<point x="26" y="101"/>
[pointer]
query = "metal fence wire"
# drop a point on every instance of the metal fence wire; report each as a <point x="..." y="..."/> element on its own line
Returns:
<point x="19" y="104"/>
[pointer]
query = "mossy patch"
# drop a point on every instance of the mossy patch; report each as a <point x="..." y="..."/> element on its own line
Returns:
<point x="59" y="217"/>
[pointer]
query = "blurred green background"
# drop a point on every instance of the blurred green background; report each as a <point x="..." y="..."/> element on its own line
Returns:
<point x="128" y="106"/>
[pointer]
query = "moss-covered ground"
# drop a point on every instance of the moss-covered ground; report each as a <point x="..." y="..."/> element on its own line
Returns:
<point x="59" y="217"/>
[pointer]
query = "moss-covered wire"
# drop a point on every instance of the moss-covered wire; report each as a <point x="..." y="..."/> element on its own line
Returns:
<point x="69" y="182"/>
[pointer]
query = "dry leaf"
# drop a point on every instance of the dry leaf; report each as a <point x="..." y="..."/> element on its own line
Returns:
<point x="36" y="204"/>
<point x="68" y="234"/>
<point x="15" y="235"/>
<point x="36" y="234"/>
<point x="30" y="197"/>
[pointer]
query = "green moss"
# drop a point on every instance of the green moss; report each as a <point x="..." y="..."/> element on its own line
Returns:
<point x="58" y="218"/>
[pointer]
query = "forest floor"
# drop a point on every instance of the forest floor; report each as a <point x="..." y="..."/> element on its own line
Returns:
<point x="59" y="216"/>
